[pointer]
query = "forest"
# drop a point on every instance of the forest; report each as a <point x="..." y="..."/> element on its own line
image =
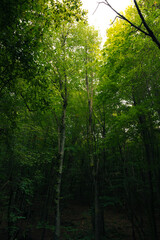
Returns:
<point x="79" y="123"/>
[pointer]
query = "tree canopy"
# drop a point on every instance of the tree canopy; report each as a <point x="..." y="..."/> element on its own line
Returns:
<point x="79" y="123"/>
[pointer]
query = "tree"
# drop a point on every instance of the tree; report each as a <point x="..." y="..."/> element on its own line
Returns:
<point x="23" y="28"/>
<point x="63" y="78"/>
<point x="131" y="78"/>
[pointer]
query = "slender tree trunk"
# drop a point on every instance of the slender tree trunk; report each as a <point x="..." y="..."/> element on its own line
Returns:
<point x="61" y="142"/>
<point x="96" y="206"/>
<point x="10" y="224"/>
<point x="12" y="190"/>
<point x="147" y="135"/>
<point x="98" y="213"/>
<point x="49" y="195"/>
<point x="148" y="138"/>
<point x="149" y="152"/>
<point x="59" y="178"/>
<point x="98" y="219"/>
<point x="62" y="134"/>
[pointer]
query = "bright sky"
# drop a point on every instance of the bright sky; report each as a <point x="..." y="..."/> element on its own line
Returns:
<point x="101" y="19"/>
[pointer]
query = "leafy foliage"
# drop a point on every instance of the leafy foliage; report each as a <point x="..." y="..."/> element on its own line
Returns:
<point x="50" y="60"/>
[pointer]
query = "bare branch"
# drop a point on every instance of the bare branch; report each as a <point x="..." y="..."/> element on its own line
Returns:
<point x="124" y="18"/>
<point x="115" y="19"/>
<point x="150" y="33"/>
<point x="98" y="6"/>
<point x="136" y="29"/>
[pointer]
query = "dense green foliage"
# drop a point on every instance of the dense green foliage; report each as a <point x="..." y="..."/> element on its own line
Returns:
<point x="77" y="123"/>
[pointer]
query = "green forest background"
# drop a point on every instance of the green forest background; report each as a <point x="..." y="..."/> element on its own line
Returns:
<point x="78" y="122"/>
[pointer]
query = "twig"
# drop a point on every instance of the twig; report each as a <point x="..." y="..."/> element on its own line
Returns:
<point x="115" y="19"/>
<point x="98" y="6"/>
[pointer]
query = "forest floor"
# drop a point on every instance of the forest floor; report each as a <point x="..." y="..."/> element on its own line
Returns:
<point x="77" y="225"/>
<point x="76" y="220"/>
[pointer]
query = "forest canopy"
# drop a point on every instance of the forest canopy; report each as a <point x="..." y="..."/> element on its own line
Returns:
<point x="79" y="123"/>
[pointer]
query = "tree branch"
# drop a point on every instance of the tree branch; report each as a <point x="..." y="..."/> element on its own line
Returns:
<point x="98" y="6"/>
<point x="148" y="31"/>
<point x="125" y="19"/>
<point x="115" y="19"/>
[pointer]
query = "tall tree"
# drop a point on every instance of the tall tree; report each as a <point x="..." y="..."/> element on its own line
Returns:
<point x="132" y="79"/>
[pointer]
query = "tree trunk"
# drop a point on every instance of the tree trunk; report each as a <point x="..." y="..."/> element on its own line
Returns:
<point x="98" y="223"/>
<point x="59" y="177"/>
<point x="147" y="135"/>
<point x="98" y="213"/>
<point x="61" y="137"/>
<point x="149" y="155"/>
<point x="48" y="199"/>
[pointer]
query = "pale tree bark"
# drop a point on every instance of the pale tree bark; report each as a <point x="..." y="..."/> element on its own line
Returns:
<point x="61" y="139"/>
<point x="59" y="178"/>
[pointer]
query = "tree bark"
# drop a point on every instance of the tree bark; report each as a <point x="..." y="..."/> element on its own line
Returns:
<point x="61" y="137"/>
<point x="59" y="178"/>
